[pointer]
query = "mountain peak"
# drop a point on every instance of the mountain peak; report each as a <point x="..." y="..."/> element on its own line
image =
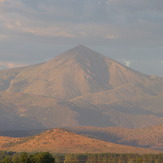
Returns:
<point x="80" y="46"/>
<point x="82" y="51"/>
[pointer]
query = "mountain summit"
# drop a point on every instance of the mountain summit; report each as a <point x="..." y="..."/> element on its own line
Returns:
<point x="82" y="51"/>
<point x="90" y="88"/>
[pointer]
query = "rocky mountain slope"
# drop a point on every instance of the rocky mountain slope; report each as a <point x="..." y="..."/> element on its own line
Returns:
<point x="79" y="88"/>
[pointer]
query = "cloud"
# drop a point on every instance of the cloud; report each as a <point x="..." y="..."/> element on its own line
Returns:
<point x="52" y="31"/>
<point x="139" y="4"/>
<point x="2" y="1"/>
<point x="63" y="18"/>
<point x="86" y="19"/>
<point x="3" y="36"/>
<point x="4" y="65"/>
<point x="127" y="63"/>
<point x="110" y="22"/>
<point x="21" y="24"/>
<point x="112" y="36"/>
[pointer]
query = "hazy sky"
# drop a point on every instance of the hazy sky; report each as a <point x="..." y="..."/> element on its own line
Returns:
<point x="130" y="31"/>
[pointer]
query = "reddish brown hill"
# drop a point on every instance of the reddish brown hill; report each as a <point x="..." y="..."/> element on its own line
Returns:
<point x="63" y="141"/>
<point x="4" y="140"/>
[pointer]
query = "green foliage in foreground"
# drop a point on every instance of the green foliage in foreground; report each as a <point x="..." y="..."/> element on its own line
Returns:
<point x="45" y="157"/>
<point x="42" y="157"/>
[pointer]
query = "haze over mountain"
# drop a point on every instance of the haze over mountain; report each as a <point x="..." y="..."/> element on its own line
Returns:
<point x="79" y="88"/>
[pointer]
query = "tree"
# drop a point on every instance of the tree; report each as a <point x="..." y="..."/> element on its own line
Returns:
<point x="43" y="157"/>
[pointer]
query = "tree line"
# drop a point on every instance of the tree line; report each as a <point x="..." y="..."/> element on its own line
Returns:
<point x="45" y="157"/>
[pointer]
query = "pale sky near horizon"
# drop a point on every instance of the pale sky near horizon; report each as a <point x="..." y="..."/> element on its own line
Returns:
<point x="129" y="31"/>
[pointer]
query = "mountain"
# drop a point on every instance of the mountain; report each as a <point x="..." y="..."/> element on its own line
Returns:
<point x="79" y="88"/>
<point x="63" y="141"/>
<point x="75" y="73"/>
